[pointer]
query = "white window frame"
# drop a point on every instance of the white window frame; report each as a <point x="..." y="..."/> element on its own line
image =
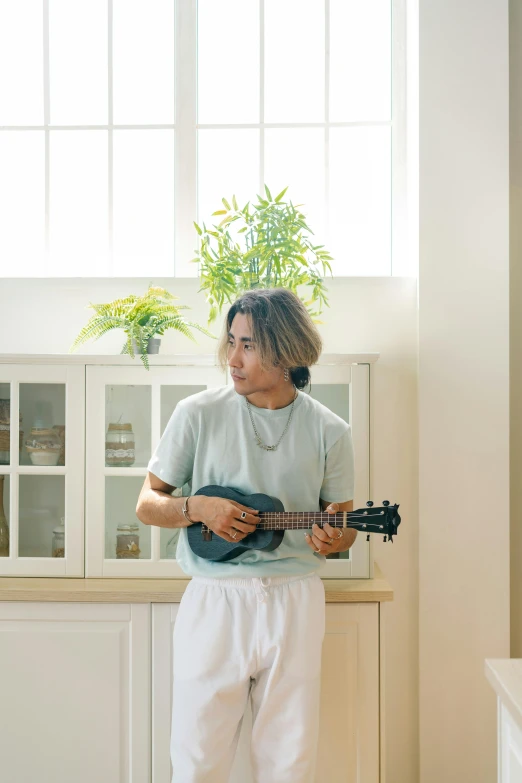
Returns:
<point x="186" y="126"/>
<point x="186" y="138"/>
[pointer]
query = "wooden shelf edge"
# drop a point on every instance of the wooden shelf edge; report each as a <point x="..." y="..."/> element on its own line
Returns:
<point x="139" y="590"/>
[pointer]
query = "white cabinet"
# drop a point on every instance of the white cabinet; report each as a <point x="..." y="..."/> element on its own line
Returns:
<point x="349" y="741"/>
<point x="510" y="748"/>
<point x="43" y="405"/>
<point x="505" y="676"/>
<point x="144" y="401"/>
<point x="95" y="484"/>
<point x="344" y="387"/>
<point x="75" y="692"/>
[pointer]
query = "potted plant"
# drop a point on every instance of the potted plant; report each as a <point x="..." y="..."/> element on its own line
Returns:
<point x="277" y="253"/>
<point x="141" y="318"/>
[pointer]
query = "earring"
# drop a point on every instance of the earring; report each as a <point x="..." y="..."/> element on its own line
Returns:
<point x="286" y="374"/>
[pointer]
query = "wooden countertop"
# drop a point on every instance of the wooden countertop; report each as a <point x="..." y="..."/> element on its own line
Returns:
<point x="164" y="590"/>
<point x="505" y="675"/>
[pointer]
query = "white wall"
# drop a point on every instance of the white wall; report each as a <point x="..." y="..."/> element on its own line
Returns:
<point x="463" y="382"/>
<point x="366" y="314"/>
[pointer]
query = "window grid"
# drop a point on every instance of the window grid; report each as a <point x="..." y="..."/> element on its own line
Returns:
<point x="397" y="124"/>
<point x="186" y="130"/>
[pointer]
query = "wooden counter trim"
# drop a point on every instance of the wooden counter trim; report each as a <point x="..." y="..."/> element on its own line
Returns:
<point x="133" y="591"/>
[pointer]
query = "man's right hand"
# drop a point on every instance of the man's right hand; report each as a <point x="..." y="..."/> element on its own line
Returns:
<point x="223" y="516"/>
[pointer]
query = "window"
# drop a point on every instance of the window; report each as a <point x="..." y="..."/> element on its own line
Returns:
<point x="123" y="121"/>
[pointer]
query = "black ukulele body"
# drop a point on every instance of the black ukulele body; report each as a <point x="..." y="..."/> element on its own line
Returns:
<point x="220" y="550"/>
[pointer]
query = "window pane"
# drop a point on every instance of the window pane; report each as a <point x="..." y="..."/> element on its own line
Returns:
<point x="170" y="396"/>
<point x="360" y="65"/>
<point x="285" y="151"/>
<point x="78" y="203"/>
<point x="143" y="62"/>
<point x="22" y="203"/>
<point x="78" y="62"/>
<point x="360" y="201"/>
<point x="125" y="536"/>
<point x="21" y="63"/>
<point x="228" y="164"/>
<point x="228" y="56"/>
<point x="127" y="424"/>
<point x="294" y="60"/>
<point x="42" y="506"/>
<point x="42" y="411"/>
<point x="143" y="202"/>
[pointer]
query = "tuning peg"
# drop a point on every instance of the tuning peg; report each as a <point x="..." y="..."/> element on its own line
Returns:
<point x="384" y="539"/>
<point x="368" y="537"/>
<point x="385" y="502"/>
<point x="369" y="503"/>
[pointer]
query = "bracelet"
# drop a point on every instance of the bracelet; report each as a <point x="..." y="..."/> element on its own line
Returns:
<point x="184" y="510"/>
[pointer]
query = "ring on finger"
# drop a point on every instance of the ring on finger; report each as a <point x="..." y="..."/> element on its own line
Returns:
<point x="243" y="515"/>
<point x="340" y="535"/>
<point x="234" y="534"/>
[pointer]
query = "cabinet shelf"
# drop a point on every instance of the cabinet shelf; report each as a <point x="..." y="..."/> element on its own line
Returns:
<point x="131" y="471"/>
<point x="38" y="470"/>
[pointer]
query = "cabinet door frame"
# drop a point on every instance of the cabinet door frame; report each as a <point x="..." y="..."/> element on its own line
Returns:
<point x="129" y="625"/>
<point x="352" y="659"/>
<point x="357" y="376"/>
<point x="509" y="755"/>
<point x="98" y="377"/>
<point x="73" y="377"/>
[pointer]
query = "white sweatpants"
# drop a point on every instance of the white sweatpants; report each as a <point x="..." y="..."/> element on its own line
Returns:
<point x="241" y="638"/>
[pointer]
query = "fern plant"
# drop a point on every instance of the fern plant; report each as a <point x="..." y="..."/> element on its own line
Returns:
<point x="277" y="253"/>
<point x="140" y="317"/>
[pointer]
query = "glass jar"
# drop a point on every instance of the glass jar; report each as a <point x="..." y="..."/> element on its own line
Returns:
<point x="59" y="539"/>
<point x="127" y="542"/>
<point x="119" y="446"/>
<point x="43" y="446"/>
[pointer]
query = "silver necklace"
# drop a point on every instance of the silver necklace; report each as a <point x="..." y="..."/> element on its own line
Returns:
<point x="258" y="437"/>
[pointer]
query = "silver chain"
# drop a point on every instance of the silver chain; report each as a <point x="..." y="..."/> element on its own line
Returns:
<point x="258" y="437"/>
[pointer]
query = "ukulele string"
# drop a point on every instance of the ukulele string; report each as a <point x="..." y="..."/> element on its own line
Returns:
<point x="270" y="518"/>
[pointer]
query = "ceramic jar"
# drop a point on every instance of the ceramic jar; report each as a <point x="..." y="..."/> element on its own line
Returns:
<point x="43" y="446"/>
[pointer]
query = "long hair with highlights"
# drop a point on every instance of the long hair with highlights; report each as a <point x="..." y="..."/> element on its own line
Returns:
<point x="282" y="330"/>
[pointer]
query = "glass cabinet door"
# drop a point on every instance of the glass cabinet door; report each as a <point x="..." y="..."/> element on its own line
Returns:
<point x="128" y="409"/>
<point x="41" y="470"/>
<point x="345" y="390"/>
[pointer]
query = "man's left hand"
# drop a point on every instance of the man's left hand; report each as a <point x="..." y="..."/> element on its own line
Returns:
<point x="321" y="539"/>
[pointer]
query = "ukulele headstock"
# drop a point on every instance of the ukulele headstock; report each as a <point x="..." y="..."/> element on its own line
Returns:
<point x="379" y="519"/>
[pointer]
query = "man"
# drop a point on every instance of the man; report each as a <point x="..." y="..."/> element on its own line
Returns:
<point x="252" y="626"/>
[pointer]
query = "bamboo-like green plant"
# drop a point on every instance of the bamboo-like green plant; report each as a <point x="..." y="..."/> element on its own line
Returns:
<point x="140" y="317"/>
<point x="277" y="253"/>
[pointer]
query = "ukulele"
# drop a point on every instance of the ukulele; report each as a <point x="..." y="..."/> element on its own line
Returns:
<point x="274" y="520"/>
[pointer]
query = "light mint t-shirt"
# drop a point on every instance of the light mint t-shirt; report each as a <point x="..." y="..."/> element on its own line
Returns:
<point x="209" y="439"/>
